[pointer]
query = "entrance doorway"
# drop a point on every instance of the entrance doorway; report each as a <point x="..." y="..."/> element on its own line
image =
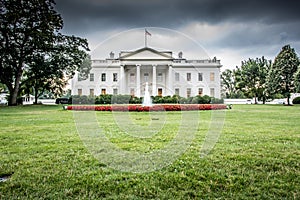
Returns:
<point x="159" y="91"/>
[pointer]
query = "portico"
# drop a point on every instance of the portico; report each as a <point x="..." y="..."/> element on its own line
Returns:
<point x="134" y="78"/>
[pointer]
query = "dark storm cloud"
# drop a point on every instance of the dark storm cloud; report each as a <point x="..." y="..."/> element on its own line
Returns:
<point x="235" y="29"/>
<point x="259" y="34"/>
<point x="106" y="14"/>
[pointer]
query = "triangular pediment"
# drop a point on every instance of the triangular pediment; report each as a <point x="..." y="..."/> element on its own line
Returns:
<point x="146" y="54"/>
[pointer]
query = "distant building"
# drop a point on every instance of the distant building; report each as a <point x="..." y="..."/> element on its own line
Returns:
<point x="28" y="99"/>
<point x="3" y="98"/>
<point x="166" y="75"/>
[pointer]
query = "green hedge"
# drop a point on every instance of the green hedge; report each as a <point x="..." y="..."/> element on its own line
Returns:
<point x="128" y="99"/>
<point x="296" y="100"/>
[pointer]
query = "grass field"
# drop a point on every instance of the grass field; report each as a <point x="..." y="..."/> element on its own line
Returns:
<point x="256" y="157"/>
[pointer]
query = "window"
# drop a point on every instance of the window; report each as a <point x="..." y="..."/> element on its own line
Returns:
<point x="200" y="91"/>
<point x="115" y="77"/>
<point x="91" y="92"/>
<point x="212" y="76"/>
<point x="79" y="92"/>
<point x="177" y="91"/>
<point x="188" y="92"/>
<point x="91" y="77"/>
<point x="212" y="92"/>
<point x="132" y="92"/>
<point x="146" y="77"/>
<point x="132" y="78"/>
<point x="103" y="91"/>
<point x="176" y="76"/>
<point x="159" y="77"/>
<point x="115" y="91"/>
<point x="103" y="77"/>
<point x="200" y="77"/>
<point x="188" y="76"/>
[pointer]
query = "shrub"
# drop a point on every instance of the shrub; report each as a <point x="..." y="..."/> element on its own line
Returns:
<point x="206" y="99"/>
<point x="296" y="100"/>
<point x="182" y="100"/>
<point x="199" y="99"/>
<point x="139" y="108"/>
<point x="217" y="101"/>
<point x="135" y="100"/>
<point x="128" y="99"/>
<point x="121" y="99"/>
<point x="158" y="99"/>
<point x="83" y="99"/>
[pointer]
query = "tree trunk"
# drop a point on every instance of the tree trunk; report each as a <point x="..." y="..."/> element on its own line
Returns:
<point x="15" y="90"/>
<point x="14" y="95"/>
<point x="35" y="95"/>
<point x="35" y="99"/>
<point x="288" y="99"/>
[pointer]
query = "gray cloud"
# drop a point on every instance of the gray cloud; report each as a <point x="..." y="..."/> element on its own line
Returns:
<point x="90" y="14"/>
<point x="235" y="24"/>
<point x="253" y="34"/>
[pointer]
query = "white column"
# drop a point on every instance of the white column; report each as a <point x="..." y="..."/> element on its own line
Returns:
<point x="122" y="80"/>
<point x="154" y="92"/>
<point x="138" y="80"/>
<point x="170" y="81"/>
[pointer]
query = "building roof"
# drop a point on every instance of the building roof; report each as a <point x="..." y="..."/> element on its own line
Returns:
<point x="147" y="53"/>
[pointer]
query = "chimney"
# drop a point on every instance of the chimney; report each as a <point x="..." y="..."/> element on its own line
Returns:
<point x="111" y="55"/>
<point x="180" y="54"/>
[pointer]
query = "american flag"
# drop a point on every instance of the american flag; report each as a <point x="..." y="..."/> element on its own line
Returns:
<point x="147" y="33"/>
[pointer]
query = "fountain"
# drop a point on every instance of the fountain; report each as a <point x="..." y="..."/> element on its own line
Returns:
<point x="147" y="99"/>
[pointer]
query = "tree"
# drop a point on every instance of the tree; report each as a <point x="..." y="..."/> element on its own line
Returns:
<point x="254" y="74"/>
<point x="297" y="81"/>
<point x="282" y="73"/>
<point x="41" y="77"/>
<point x="264" y="68"/>
<point x="29" y="35"/>
<point x="51" y="72"/>
<point x="2" y="87"/>
<point x="85" y="68"/>
<point x="229" y="82"/>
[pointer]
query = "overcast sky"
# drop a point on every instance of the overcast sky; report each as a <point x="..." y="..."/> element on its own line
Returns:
<point x="231" y="30"/>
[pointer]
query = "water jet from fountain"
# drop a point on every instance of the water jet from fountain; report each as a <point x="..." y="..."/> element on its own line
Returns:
<point x="147" y="99"/>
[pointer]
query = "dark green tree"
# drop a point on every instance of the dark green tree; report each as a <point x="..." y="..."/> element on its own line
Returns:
<point x="41" y="78"/>
<point x="253" y="80"/>
<point x="264" y="68"/>
<point x="3" y="87"/>
<point x="229" y="81"/>
<point x="282" y="74"/>
<point x="297" y="81"/>
<point x="86" y="66"/>
<point x="29" y="35"/>
<point x="238" y="83"/>
<point x="47" y="73"/>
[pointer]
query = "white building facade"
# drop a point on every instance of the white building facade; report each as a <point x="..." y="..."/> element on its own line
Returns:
<point x="166" y="75"/>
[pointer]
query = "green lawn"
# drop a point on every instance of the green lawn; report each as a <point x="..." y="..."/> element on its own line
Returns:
<point x="256" y="157"/>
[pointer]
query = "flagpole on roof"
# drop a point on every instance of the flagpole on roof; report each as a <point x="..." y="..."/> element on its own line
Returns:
<point x="146" y="33"/>
<point x="145" y="38"/>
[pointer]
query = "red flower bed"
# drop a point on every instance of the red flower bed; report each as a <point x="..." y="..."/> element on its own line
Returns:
<point x="140" y="108"/>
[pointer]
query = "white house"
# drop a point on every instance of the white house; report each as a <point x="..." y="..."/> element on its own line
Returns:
<point x="166" y="75"/>
<point x="28" y="99"/>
